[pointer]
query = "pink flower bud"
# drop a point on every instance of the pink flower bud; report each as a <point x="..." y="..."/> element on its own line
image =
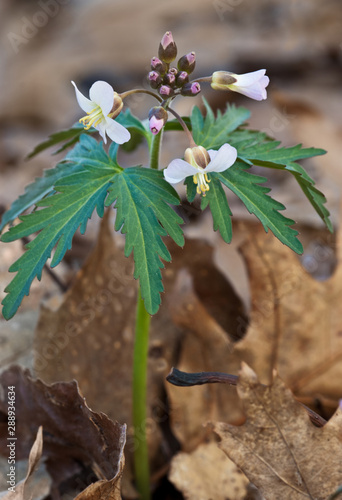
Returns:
<point x="170" y="79"/>
<point x="167" y="49"/>
<point x="182" y="78"/>
<point x="166" y="91"/>
<point x="155" y="79"/>
<point x="187" y="63"/>
<point x="191" y="89"/>
<point x="158" y="65"/>
<point x="157" y="119"/>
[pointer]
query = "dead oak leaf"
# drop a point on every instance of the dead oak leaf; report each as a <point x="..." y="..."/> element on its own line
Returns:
<point x="296" y="321"/>
<point x="278" y="448"/>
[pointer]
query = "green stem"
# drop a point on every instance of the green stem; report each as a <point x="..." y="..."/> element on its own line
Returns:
<point x="155" y="148"/>
<point x="185" y="128"/>
<point x="140" y="362"/>
<point x="140" y="356"/>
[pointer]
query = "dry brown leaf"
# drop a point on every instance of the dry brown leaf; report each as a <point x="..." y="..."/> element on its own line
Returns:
<point x="296" y="321"/>
<point x="73" y="434"/>
<point x="278" y="448"/>
<point x="206" y="474"/>
<point x="105" y="490"/>
<point x="18" y="490"/>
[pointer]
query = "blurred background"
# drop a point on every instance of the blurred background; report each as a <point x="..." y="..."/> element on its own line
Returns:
<point x="47" y="43"/>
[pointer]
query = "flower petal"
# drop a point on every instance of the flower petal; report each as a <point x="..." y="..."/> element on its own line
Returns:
<point x="247" y="79"/>
<point x="255" y="91"/>
<point x="101" y="127"/>
<point x="117" y="132"/>
<point x="222" y="159"/>
<point x="102" y="94"/>
<point x="83" y="101"/>
<point x="178" y="170"/>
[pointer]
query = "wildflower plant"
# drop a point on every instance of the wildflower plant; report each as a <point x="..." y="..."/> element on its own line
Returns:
<point x="220" y="153"/>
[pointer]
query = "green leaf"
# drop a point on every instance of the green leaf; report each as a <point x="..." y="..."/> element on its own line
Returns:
<point x="217" y="200"/>
<point x="267" y="154"/>
<point x="247" y="187"/>
<point x="211" y="132"/>
<point x="72" y="135"/>
<point x="176" y="126"/>
<point x="137" y="129"/>
<point x="190" y="189"/>
<point x="141" y="199"/>
<point x="69" y="137"/>
<point x="44" y="186"/>
<point x="59" y="216"/>
<point x="41" y="187"/>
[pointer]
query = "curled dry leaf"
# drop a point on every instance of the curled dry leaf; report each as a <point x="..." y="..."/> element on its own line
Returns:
<point x="73" y="433"/>
<point x="278" y="448"/>
<point x="18" y="491"/>
<point x="206" y="474"/>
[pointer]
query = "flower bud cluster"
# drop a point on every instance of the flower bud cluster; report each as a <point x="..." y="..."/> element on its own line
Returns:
<point x="170" y="81"/>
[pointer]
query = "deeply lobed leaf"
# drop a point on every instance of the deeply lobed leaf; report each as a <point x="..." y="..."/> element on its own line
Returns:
<point x="77" y="196"/>
<point x="247" y="187"/>
<point x="141" y="198"/>
<point x="256" y="148"/>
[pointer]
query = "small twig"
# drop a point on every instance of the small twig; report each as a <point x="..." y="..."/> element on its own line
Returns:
<point x="183" y="379"/>
<point x="63" y="287"/>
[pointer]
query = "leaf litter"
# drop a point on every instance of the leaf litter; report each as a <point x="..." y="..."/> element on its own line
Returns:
<point x="197" y="329"/>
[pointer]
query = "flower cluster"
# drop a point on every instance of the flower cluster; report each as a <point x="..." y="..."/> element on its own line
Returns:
<point x="105" y="105"/>
<point x="172" y="81"/>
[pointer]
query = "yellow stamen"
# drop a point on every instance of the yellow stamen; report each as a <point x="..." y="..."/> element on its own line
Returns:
<point x="202" y="180"/>
<point x="94" y="117"/>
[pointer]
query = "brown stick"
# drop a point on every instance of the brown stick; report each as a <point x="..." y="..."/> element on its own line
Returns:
<point x="183" y="379"/>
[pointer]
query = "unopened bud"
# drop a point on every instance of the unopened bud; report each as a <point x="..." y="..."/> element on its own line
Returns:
<point x="182" y="78"/>
<point x="170" y="79"/>
<point x="187" y="63"/>
<point x="167" y="48"/>
<point x="166" y="91"/>
<point x="158" y="65"/>
<point x="117" y="106"/>
<point x="157" y="117"/>
<point x="191" y="89"/>
<point x="197" y="156"/>
<point x="220" y="80"/>
<point x="154" y="79"/>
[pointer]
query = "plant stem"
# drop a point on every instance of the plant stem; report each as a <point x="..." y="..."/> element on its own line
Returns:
<point x="155" y="148"/>
<point x="141" y="464"/>
<point x="140" y="91"/>
<point x="185" y="128"/>
<point x="140" y="362"/>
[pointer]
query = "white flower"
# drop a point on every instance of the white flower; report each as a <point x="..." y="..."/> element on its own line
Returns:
<point x="103" y="105"/>
<point x="199" y="163"/>
<point x="252" y="84"/>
